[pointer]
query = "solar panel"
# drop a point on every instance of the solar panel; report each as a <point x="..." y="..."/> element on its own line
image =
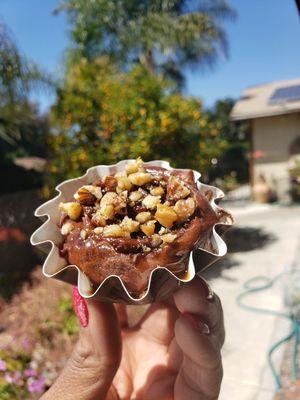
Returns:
<point x="287" y="93"/>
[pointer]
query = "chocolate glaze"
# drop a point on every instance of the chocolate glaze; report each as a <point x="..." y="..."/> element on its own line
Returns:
<point x="99" y="257"/>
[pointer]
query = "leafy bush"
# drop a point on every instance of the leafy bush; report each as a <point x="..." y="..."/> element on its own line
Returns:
<point x="103" y="116"/>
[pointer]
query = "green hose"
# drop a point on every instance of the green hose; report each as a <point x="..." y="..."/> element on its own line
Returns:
<point x="258" y="284"/>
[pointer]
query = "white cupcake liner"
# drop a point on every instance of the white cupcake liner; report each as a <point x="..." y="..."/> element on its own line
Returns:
<point x="162" y="282"/>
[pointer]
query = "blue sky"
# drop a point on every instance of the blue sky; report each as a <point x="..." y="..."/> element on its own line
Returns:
<point x="264" y="44"/>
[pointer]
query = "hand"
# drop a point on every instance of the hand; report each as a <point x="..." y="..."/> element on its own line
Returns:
<point x="172" y="353"/>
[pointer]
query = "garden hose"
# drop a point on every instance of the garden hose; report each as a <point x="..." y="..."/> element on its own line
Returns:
<point x="258" y="284"/>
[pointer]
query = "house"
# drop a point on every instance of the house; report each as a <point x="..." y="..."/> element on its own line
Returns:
<point x="273" y="111"/>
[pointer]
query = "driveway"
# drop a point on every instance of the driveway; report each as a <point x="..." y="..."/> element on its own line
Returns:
<point x="263" y="242"/>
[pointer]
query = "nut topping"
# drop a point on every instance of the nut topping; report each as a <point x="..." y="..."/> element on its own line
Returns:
<point x="143" y="216"/>
<point x="151" y="202"/>
<point x="72" y="209"/>
<point x="129" y="225"/>
<point x="66" y="228"/>
<point x="168" y="238"/>
<point x="185" y="208"/>
<point x="140" y="178"/>
<point x="176" y="189"/>
<point x="113" y="230"/>
<point x="148" y="227"/>
<point x="157" y="191"/>
<point x="165" y="215"/>
<point x="129" y="204"/>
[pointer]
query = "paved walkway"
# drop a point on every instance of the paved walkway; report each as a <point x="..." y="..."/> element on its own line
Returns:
<point x="269" y="238"/>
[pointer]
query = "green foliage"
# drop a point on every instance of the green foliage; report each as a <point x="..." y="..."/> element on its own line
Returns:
<point x="22" y="131"/>
<point x="165" y="36"/>
<point x="232" y="164"/>
<point x="103" y="116"/>
<point x="69" y="320"/>
<point x="15" y="362"/>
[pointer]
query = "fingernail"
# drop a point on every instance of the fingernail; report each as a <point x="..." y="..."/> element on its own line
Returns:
<point x="80" y="308"/>
<point x="198" y="325"/>
<point x="208" y="290"/>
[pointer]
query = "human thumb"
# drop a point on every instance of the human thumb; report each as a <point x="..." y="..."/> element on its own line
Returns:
<point x="95" y="359"/>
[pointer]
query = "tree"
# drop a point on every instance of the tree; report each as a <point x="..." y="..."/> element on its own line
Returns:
<point x="103" y="115"/>
<point x="22" y="130"/>
<point x="163" y="35"/>
<point x="232" y="164"/>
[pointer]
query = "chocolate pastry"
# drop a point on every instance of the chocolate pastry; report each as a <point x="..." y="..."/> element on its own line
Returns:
<point x="130" y="223"/>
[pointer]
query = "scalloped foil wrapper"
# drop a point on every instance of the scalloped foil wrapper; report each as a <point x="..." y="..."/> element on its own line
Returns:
<point x="162" y="282"/>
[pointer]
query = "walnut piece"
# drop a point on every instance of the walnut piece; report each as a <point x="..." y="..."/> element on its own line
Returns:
<point x="143" y="216"/>
<point x="98" y="219"/>
<point x="165" y="215"/>
<point x="113" y="230"/>
<point x="140" y="178"/>
<point x="124" y="183"/>
<point x="88" y="194"/>
<point x="72" y="209"/>
<point x="148" y="227"/>
<point x="157" y="191"/>
<point x="66" y="228"/>
<point x="98" y="230"/>
<point x="185" y="208"/>
<point x="168" y="238"/>
<point x="135" y="196"/>
<point x="176" y="189"/>
<point x="129" y="225"/>
<point x="150" y="202"/>
<point x="131" y="168"/>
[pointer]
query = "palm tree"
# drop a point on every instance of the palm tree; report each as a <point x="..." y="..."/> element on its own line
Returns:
<point x="164" y="35"/>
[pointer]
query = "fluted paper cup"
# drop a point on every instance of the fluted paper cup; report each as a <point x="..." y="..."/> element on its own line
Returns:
<point x="162" y="282"/>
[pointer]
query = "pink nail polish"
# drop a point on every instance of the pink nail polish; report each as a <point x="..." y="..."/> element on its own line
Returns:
<point x="198" y="325"/>
<point x="80" y="308"/>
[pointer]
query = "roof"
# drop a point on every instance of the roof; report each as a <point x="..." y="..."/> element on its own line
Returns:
<point x="266" y="100"/>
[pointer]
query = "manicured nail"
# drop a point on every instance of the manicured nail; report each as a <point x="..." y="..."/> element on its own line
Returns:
<point x="208" y="290"/>
<point x="197" y="323"/>
<point x="80" y="308"/>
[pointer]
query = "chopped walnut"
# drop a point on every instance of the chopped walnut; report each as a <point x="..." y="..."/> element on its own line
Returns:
<point x="99" y="219"/>
<point x="148" y="227"/>
<point x="185" y="208"/>
<point x="113" y="230"/>
<point x="110" y="183"/>
<point x="143" y="216"/>
<point x="176" y="189"/>
<point x="137" y="166"/>
<point x="66" y="228"/>
<point x="98" y="230"/>
<point x="110" y="204"/>
<point x="150" y="202"/>
<point x="135" y="196"/>
<point x="140" y="178"/>
<point x="88" y="194"/>
<point x="165" y="215"/>
<point x="156" y="240"/>
<point x="129" y="225"/>
<point x="124" y="183"/>
<point x="157" y="191"/>
<point x="72" y="209"/>
<point x="168" y="238"/>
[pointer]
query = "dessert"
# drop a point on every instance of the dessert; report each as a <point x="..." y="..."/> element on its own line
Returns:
<point x="132" y="222"/>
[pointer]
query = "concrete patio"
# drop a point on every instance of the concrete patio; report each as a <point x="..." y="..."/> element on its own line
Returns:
<point x="265" y="242"/>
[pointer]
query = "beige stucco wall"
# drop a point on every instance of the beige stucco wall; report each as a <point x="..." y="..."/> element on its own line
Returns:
<point x="273" y="137"/>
